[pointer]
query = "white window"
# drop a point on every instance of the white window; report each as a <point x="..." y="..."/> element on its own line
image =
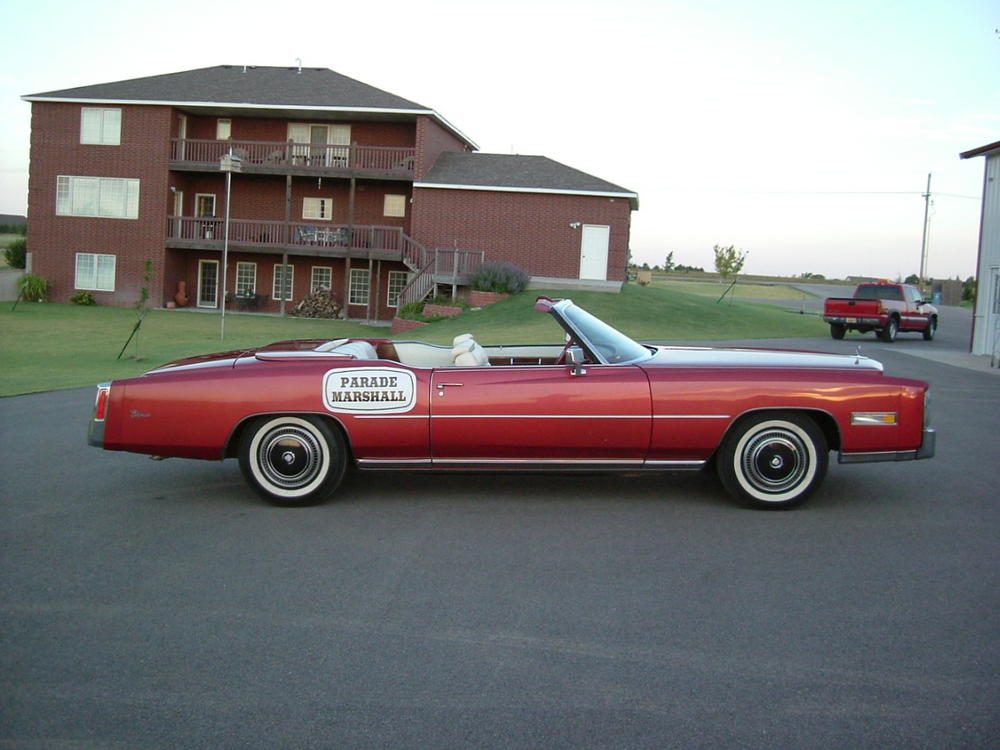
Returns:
<point x="284" y="277"/>
<point x="223" y="129"/>
<point x="110" y="197"/>
<point x="397" y="283"/>
<point x="95" y="271"/>
<point x="246" y="279"/>
<point x="317" y="209"/>
<point x="360" y="282"/>
<point x="322" y="278"/>
<point x="102" y="127"/>
<point x="395" y="205"/>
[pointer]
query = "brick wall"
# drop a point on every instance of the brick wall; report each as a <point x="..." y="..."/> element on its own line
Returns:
<point x="264" y="129"/>
<point x="432" y="141"/>
<point x="530" y="230"/>
<point x="55" y="240"/>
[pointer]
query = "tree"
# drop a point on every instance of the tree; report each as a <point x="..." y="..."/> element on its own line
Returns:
<point x="668" y="264"/>
<point x="912" y="279"/>
<point x="16" y="252"/>
<point x="969" y="290"/>
<point x="728" y="260"/>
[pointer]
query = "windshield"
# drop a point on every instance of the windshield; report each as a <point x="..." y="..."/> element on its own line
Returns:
<point x="611" y="345"/>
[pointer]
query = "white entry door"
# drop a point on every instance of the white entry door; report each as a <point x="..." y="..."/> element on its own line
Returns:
<point x="594" y="251"/>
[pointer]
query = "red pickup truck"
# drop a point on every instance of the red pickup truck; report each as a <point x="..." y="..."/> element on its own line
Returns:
<point x="883" y="307"/>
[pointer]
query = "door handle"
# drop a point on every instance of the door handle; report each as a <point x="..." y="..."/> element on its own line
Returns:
<point x="442" y="386"/>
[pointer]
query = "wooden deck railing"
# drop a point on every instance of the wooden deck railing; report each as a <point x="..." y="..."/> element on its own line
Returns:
<point x="289" y="234"/>
<point x="380" y="159"/>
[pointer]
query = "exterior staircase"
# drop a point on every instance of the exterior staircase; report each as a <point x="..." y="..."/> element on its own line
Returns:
<point x="440" y="265"/>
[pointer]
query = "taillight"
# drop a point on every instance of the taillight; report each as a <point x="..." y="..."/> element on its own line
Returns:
<point x="101" y="406"/>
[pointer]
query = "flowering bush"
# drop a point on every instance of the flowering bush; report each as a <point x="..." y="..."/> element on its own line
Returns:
<point x="503" y="278"/>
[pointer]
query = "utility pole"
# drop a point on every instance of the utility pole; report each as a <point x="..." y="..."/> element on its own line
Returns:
<point x="923" y="242"/>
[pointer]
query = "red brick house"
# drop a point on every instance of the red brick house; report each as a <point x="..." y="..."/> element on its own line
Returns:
<point x="339" y="185"/>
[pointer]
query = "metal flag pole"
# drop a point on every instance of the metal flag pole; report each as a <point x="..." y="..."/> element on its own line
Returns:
<point x="227" y="164"/>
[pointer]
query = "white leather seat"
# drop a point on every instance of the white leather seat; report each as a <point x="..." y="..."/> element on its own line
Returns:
<point x="358" y="350"/>
<point x="470" y="354"/>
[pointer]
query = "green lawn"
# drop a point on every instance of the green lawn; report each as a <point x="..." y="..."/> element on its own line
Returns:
<point x="47" y="346"/>
<point x="744" y="290"/>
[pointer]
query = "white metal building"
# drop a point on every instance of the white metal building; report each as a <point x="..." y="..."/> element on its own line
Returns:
<point x="986" y="323"/>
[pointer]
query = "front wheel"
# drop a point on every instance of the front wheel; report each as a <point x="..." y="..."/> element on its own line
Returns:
<point x="930" y="330"/>
<point x="773" y="460"/>
<point x="292" y="461"/>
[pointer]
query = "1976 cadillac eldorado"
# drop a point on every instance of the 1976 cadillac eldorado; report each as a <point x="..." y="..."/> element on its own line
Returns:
<point x="298" y="413"/>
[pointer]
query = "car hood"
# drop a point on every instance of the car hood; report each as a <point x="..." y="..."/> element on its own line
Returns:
<point x="692" y="356"/>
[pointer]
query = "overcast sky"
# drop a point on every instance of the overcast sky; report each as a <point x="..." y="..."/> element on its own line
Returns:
<point x="800" y="131"/>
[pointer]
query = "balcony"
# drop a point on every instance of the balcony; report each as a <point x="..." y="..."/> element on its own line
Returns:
<point x="300" y="159"/>
<point x="299" y="238"/>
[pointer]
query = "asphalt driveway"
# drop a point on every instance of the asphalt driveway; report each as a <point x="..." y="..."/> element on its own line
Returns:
<point x="161" y="605"/>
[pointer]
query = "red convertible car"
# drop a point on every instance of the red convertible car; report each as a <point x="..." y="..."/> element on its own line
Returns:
<point x="298" y="413"/>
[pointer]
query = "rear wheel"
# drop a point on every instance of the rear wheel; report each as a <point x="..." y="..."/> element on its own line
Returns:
<point x="773" y="460"/>
<point x="837" y="330"/>
<point x="888" y="334"/>
<point x="292" y="461"/>
<point x="930" y="330"/>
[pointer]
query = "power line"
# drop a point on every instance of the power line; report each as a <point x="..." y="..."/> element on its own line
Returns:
<point x="737" y="191"/>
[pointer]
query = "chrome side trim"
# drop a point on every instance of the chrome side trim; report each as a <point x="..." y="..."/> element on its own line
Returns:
<point x="523" y="462"/>
<point x="547" y="464"/>
<point x="389" y="416"/>
<point x="676" y="465"/>
<point x="393" y="463"/>
<point x="539" y="416"/>
<point x="870" y="458"/>
<point x="692" y="416"/>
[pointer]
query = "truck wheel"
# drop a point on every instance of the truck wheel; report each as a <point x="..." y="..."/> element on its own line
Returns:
<point x="930" y="330"/>
<point x="888" y="334"/>
<point x="837" y="330"/>
<point x="773" y="460"/>
<point x="292" y="461"/>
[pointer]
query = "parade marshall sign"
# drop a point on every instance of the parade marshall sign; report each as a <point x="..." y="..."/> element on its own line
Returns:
<point x="369" y="390"/>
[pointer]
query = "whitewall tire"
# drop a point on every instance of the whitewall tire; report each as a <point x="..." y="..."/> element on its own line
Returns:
<point x="292" y="461"/>
<point x="773" y="459"/>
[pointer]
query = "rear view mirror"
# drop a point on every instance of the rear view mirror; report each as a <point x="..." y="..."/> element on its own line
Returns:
<point x="574" y="356"/>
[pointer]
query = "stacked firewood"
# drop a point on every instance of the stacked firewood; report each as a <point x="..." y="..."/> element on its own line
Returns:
<point x="319" y="304"/>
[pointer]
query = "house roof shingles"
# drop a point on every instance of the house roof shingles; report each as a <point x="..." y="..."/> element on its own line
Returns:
<point x="518" y="173"/>
<point x="238" y="84"/>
